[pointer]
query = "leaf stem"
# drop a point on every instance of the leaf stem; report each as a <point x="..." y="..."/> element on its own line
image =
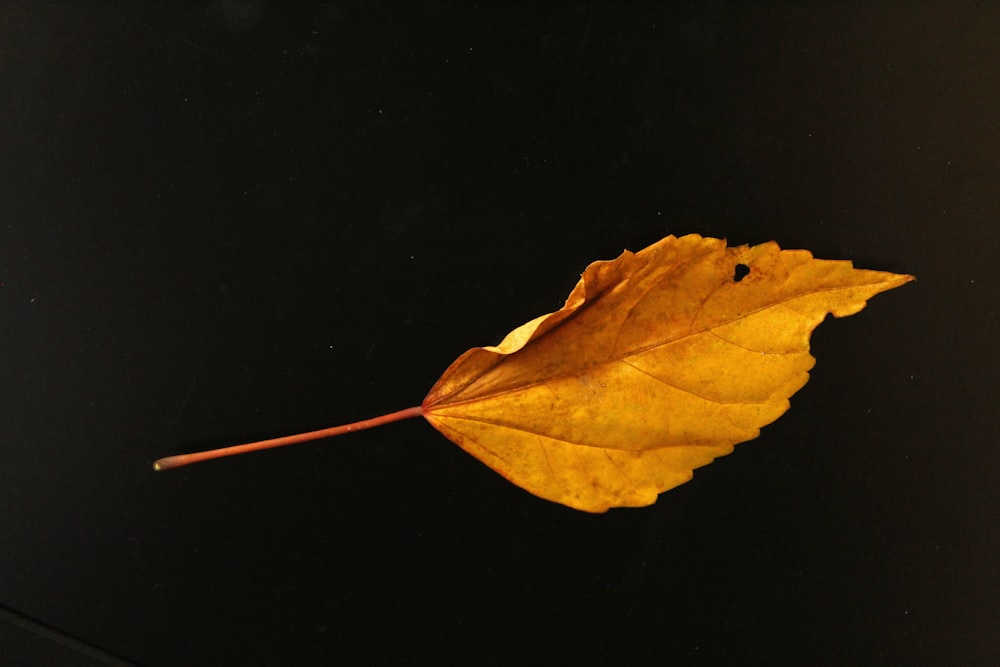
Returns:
<point x="195" y="457"/>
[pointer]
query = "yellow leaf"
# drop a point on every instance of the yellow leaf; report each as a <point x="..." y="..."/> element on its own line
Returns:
<point x="659" y="362"/>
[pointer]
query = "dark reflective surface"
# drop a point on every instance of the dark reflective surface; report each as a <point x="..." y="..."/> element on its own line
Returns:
<point x="223" y="221"/>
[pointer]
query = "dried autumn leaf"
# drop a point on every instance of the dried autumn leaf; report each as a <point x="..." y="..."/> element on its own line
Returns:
<point x="659" y="362"/>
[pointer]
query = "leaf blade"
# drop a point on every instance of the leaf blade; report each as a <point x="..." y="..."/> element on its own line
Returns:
<point x="659" y="362"/>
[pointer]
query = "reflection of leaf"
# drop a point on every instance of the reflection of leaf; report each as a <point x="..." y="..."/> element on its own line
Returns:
<point x="659" y="362"/>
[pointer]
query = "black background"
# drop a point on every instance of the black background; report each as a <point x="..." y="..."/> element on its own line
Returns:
<point x="230" y="220"/>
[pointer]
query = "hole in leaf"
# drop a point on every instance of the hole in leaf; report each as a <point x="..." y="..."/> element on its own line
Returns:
<point x="741" y="272"/>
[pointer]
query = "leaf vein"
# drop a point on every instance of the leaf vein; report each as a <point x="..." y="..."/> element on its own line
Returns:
<point x="637" y="351"/>
<point x="548" y="436"/>
<point x="689" y="391"/>
<point x="743" y="347"/>
<point x="628" y="480"/>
